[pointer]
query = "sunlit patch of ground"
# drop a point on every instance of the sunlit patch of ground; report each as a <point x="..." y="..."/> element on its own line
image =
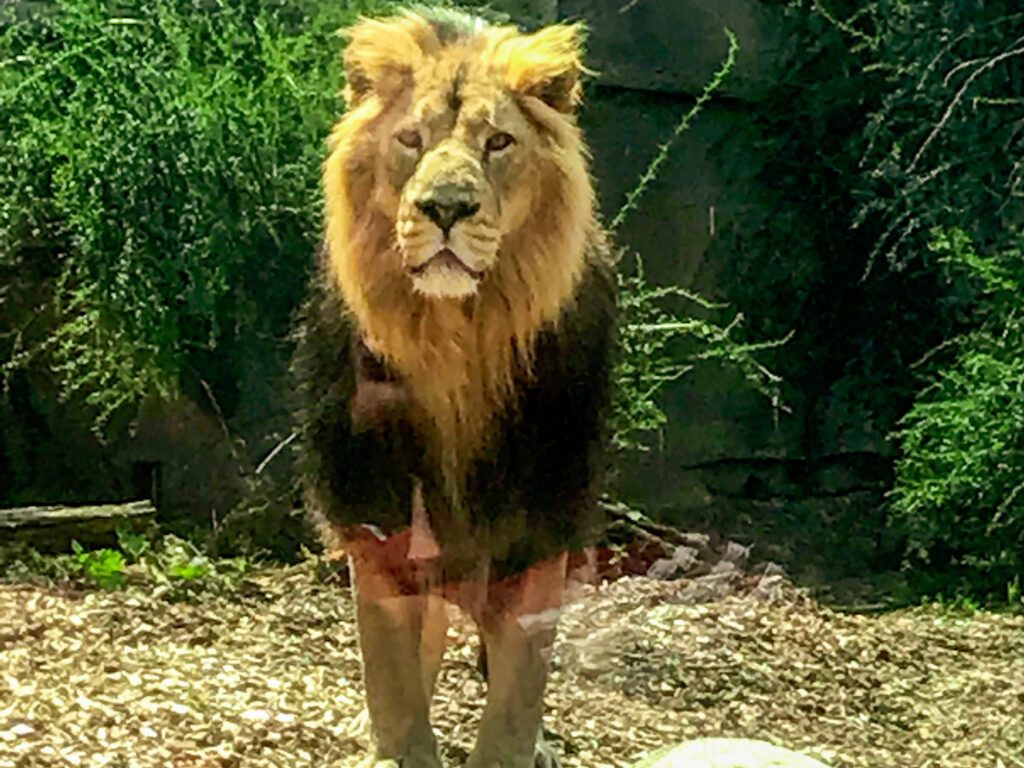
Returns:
<point x="272" y="678"/>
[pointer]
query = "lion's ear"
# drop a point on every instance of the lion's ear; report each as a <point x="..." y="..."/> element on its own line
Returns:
<point x="382" y="54"/>
<point x="548" y="65"/>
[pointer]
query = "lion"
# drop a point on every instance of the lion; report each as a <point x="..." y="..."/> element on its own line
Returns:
<point x="453" y="363"/>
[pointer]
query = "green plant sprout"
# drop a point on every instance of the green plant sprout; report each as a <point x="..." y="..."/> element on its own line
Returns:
<point x="648" y="330"/>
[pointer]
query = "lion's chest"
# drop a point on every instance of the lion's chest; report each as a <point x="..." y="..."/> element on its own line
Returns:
<point x="451" y="395"/>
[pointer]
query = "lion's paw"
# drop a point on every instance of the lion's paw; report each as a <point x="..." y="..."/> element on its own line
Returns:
<point x="360" y="730"/>
<point x="405" y="762"/>
<point x="545" y="756"/>
<point x="373" y="762"/>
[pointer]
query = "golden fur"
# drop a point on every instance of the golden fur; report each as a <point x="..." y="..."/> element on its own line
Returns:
<point x="422" y="115"/>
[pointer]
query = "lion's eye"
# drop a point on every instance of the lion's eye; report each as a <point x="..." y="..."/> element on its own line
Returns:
<point x="410" y="138"/>
<point x="500" y="141"/>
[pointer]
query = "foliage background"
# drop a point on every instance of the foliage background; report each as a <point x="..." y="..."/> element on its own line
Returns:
<point x="158" y="212"/>
<point x="159" y="208"/>
<point x="167" y="157"/>
<point x="891" y="197"/>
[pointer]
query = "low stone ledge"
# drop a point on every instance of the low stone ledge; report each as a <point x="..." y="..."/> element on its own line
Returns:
<point x="51" y="528"/>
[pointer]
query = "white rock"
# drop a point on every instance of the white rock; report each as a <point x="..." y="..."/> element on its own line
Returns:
<point x="727" y="753"/>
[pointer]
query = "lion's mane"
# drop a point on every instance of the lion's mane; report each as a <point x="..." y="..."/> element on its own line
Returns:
<point x="460" y="359"/>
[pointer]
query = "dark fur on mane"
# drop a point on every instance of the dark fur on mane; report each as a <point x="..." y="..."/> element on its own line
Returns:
<point x="531" y="492"/>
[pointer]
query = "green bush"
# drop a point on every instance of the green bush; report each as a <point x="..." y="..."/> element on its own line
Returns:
<point x="21" y="564"/>
<point x="178" y="570"/>
<point x="886" y="121"/>
<point x="940" y="190"/>
<point x="959" y="492"/>
<point x="168" y="566"/>
<point x="951" y="80"/>
<point x="885" y="117"/>
<point x="652" y="340"/>
<point x="167" y="155"/>
<point x="105" y="567"/>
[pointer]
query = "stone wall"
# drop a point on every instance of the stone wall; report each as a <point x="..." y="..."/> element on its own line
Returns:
<point x="726" y="458"/>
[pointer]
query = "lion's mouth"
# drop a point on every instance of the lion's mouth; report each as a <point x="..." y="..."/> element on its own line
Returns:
<point x="447" y="258"/>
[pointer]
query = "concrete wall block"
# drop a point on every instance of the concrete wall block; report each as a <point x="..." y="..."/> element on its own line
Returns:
<point x="528" y="13"/>
<point x="676" y="46"/>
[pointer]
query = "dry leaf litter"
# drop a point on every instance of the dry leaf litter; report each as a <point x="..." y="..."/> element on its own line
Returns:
<point x="271" y="675"/>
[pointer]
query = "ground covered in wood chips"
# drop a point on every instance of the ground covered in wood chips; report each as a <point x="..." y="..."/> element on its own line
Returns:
<point x="270" y="676"/>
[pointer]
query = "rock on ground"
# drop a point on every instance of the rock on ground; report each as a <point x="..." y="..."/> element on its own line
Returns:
<point x="727" y="753"/>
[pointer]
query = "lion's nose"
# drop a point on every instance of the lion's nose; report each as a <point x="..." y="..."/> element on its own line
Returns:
<point x="446" y="209"/>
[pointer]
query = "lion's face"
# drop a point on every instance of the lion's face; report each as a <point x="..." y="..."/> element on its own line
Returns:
<point x="458" y="171"/>
<point x="457" y="135"/>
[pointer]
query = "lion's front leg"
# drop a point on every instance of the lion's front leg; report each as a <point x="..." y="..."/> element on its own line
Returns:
<point x="518" y="627"/>
<point x="402" y="628"/>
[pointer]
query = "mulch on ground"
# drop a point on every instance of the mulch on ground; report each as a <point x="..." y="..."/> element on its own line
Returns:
<point x="271" y="677"/>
